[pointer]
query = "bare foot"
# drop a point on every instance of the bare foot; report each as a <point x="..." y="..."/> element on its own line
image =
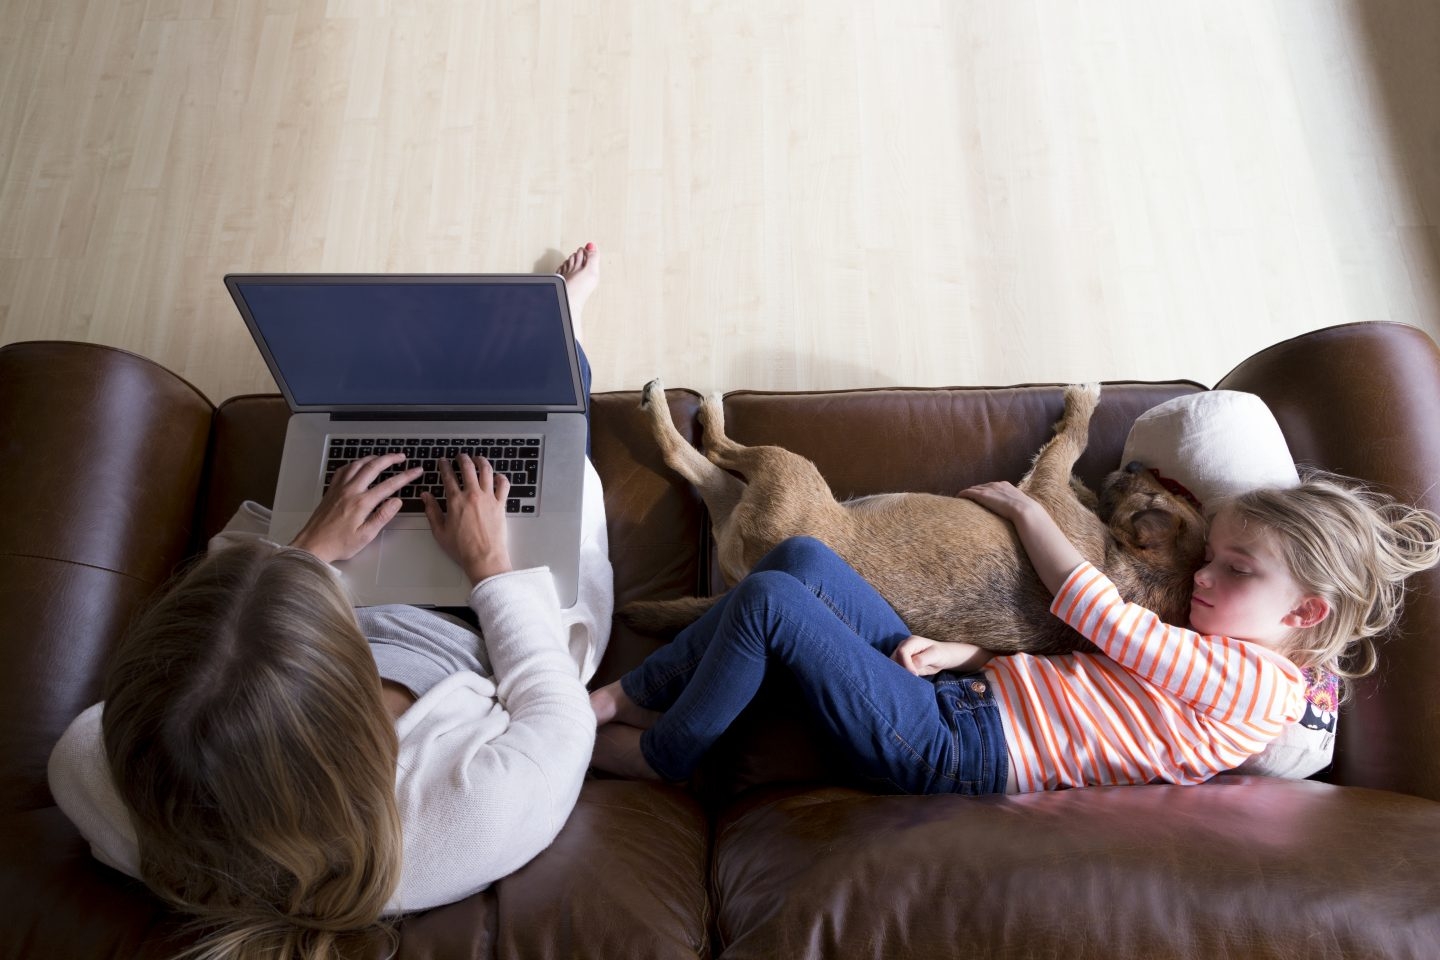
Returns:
<point x="612" y="704"/>
<point x="617" y="751"/>
<point x="581" y="271"/>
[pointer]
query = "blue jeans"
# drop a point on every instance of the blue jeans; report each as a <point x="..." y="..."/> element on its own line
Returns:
<point x="585" y="379"/>
<point x="807" y="610"/>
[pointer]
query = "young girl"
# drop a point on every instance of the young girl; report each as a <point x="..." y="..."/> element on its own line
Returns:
<point x="288" y="769"/>
<point x="1293" y="578"/>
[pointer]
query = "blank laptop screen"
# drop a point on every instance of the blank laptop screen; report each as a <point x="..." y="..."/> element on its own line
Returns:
<point x="441" y="344"/>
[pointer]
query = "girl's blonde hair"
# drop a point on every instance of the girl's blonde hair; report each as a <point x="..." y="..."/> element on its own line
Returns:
<point x="1352" y="546"/>
<point x="245" y="731"/>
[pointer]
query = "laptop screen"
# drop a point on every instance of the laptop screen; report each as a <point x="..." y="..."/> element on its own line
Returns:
<point x="443" y="342"/>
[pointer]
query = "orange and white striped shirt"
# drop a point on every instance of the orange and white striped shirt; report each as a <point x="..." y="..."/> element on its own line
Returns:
<point x="1162" y="703"/>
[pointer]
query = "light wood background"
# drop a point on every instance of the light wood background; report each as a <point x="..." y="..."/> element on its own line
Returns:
<point x="787" y="193"/>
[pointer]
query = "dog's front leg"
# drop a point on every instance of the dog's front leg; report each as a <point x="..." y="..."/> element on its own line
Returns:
<point x="1049" y="477"/>
<point x="1052" y="483"/>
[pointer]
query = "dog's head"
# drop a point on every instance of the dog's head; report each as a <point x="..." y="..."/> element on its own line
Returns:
<point x="1159" y="538"/>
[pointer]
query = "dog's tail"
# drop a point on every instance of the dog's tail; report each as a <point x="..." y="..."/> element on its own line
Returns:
<point x="664" y="617"/>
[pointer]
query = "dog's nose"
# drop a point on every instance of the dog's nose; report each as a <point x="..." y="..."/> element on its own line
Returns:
<point x="1134" y="466"/>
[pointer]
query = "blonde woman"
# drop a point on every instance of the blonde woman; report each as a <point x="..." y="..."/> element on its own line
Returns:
<point x="290" y="770"/>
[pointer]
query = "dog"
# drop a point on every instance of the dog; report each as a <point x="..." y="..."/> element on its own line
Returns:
<point x="949" y="567"/>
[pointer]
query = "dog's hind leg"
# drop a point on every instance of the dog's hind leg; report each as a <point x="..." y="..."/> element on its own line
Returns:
<point x="785" y="496"/>
<point x="773" y="469"/>
<point x="718" y="489"/>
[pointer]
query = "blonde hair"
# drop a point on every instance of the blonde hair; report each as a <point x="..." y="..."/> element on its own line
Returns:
<point x="1352" y="546"/>
<point x="245" y="731"/>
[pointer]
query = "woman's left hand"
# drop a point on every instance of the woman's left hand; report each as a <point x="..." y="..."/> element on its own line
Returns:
<point x="353" y="512"/>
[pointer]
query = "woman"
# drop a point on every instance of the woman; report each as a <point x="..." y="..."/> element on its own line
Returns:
<point x="289" y="770"/>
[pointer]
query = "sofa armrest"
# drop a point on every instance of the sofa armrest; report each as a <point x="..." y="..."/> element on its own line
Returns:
<point x="103" y="452"/>
<point x="1363" y="400"/>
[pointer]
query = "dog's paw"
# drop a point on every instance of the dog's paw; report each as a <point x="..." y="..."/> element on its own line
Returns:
<point x="652" y="392"/>
<point x="1081" y="399"/>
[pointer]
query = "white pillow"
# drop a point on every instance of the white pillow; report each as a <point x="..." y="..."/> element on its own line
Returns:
<point x="1221" y="443"/>
<point x="1215" y="444"/>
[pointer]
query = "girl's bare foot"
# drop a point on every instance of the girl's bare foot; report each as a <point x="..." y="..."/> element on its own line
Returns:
<point x="617" y="751"/>
<point x="612" y="704"/>
<point x="581" y="271"/>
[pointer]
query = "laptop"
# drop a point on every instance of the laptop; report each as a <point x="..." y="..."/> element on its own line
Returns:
<point x="430" y="365"/>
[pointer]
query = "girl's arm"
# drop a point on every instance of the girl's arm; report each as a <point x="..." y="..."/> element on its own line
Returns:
<point x="1051" y="553"/>
<point x="925" y="657"/>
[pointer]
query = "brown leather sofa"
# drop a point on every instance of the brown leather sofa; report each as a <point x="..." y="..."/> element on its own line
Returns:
<point x="114" y="470"/>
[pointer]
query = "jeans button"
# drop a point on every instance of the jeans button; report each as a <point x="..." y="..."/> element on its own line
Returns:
<point x="977" y="686"/>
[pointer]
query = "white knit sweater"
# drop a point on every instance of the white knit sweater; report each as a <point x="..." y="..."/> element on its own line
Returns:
<point x="489" y="768"/>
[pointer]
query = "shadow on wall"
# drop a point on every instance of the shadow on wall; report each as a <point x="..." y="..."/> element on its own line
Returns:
<point x="1403" y="41"/>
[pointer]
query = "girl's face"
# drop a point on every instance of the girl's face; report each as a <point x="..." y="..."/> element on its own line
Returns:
<point x="1245" y="590"/>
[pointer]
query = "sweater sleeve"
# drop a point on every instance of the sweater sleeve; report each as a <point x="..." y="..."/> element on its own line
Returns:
<point x="1230" y="680"/>
<point x="587" y="624"/>
<point x="80" y="781"/>
<point x="489" y="774"/>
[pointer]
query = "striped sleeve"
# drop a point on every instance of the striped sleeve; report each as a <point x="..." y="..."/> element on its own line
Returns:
<point x="1158" y="703"/>
<point x="1230" y="680"/>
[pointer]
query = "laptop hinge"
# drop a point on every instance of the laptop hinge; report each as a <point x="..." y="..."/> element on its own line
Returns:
<point x="429" y="415"/>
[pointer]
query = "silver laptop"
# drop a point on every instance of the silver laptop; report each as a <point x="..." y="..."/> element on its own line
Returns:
<point x="431" y="366"/>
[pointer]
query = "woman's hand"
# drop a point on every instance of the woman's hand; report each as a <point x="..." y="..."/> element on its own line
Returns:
<point x="471" y="530"/>
<point x="352" y="512"/>
<point x="925" y="657"/>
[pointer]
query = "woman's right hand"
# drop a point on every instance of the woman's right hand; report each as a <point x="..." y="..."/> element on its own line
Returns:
<point x="353" y="512"/>
<point x="471" y="530"/>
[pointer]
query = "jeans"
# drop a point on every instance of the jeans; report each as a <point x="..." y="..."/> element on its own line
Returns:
<point x="585" y="379"/>
<point x="805" y="609"/>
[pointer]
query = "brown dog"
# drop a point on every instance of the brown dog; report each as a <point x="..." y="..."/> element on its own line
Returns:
<point x="951" y="569"/>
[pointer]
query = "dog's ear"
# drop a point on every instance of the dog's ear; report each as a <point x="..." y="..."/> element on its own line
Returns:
<point x="1170" y="538"/>
<point x="1153" y="529"/>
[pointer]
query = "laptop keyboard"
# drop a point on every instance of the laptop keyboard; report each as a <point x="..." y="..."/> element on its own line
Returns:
<point x="516" y="456"/>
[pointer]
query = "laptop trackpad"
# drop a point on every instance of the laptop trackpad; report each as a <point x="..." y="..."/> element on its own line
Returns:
<point x="411" y="558"/>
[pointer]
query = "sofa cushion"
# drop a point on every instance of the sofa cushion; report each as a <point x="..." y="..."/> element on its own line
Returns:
<point x="625" y="878"/>
<point x="1244" y="866"/>
<point x="246" y="443"/>
<point x="61" y="902"/>
<point x="654" y="517"/>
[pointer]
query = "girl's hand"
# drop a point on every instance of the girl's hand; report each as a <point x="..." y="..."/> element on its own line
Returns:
<point x="1000" y="497"/>
<point x="925" y="657"/>
<point x="352" y="512"/>
<point x="471" y="530"/>
<point x="1050" y="551"/>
